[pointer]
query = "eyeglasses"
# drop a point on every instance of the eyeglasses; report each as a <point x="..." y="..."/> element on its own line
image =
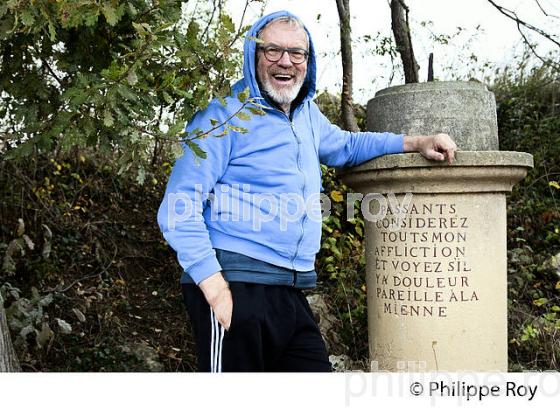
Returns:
<point x="274" y="53"/>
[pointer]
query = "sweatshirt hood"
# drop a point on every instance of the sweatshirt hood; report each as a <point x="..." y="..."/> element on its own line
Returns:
<point x="249" y="61"/>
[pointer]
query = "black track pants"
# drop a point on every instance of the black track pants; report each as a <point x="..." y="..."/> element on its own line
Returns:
<point x="272" y="329"/>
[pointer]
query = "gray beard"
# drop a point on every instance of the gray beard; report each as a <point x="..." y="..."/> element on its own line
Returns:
<point x="284" y="96"/>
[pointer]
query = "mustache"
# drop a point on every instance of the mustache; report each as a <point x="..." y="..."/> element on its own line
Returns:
<point x="293" y="73"/>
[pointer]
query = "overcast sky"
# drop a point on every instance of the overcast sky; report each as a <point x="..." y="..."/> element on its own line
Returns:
<point x="496" y="42"/>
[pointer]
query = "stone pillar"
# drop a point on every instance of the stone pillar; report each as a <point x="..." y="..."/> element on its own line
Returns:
<point x="436" y="234"/>
<point x="464" y="110"/>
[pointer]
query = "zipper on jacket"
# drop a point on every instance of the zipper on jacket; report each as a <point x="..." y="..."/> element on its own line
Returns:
<point x="302" y="189"/>
<point x="302" y="193"/>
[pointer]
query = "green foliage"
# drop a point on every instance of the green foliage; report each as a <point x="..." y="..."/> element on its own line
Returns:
<point x="341" y="259"/>
<point x="120" y="76"/>
<point x="330" y="106"/>
<point x="99" y="279"/>
<point x="221" y="128"/>
<point x="528" y="106"/>
<point x="527" y="98"/>
<point x="26" y="317"/>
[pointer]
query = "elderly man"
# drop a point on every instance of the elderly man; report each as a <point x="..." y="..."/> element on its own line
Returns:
<point x="236" y="220"/>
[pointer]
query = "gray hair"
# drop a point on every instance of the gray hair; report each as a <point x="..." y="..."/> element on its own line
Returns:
<point x="292" y="21"/>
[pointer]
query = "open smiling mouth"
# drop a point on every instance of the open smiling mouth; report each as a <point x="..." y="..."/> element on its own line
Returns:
<point x="283" y="78"/>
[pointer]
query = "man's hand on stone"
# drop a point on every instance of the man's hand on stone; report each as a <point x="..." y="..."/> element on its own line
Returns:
<point x="218" y="295"/>
<point x="435" y="147"/>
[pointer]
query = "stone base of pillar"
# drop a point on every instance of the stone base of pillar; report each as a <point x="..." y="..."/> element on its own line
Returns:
<point x="436" y="259"/>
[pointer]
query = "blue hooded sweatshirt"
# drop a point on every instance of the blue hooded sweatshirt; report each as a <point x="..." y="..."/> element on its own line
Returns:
<point x="247" y="196"/>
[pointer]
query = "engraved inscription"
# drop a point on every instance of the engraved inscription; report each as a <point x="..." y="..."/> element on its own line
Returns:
<point x="421" y="261"/>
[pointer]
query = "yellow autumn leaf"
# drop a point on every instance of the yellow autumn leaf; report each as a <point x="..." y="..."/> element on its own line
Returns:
<point x="540" y="301"/>
<point x="554" y="184"/>
<point x="336" y="196"/>
<point x="558" y="285"/>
